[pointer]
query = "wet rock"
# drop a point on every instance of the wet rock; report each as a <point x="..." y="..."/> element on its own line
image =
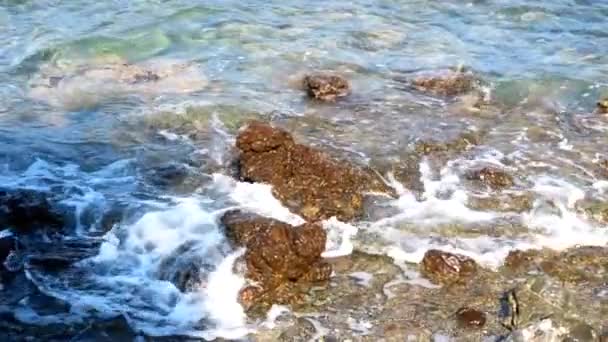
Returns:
<point x="602" y="106"/>
<point x="326" y="87"/>
<point x="281" y="259"/>
<point x="544" y="331"/>
<point x="27" y="210"/>
<point x="596" y="210"/>
<point x="581" y="332"/>
<point x="459" y="144"/>
<point x="7" y="244"/>
<point x="492" y="177"/>
<point x="304" y="179"/>
<point x="503" y="202"/>
<point x="113" y="329"/>
<point x="446" y="82"/>
<point x="188" y="266"/>
<point x="446" y="268"/>
<point x="517" y="259"/>
<point x="88" y="83"/>
<point x="470" y="318"/>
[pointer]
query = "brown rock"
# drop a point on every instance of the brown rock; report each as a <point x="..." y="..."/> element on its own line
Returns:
<point x="492" y="177"/>
<point x="517" y="259"/>
<point x="306" y="180"/>
<point x="470" y="318"/>
<point x="281" y="260"/>
<point x="326" y="87"/>
<point x="446" y="83"/>
<point x="445" y="268"/>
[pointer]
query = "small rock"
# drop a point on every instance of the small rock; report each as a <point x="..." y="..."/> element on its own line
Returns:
<point x="326" y="87"/>
<point x="518" y="259"/>
<point x="602" y="106"/>
<point x="445" y="268"/>
<point x="470" y="318"/>
<point x="492" y="177"/>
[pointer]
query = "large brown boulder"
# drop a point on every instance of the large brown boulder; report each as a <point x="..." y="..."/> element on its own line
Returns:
<point x="304" y="179"/>
<point x="281" y="259"/>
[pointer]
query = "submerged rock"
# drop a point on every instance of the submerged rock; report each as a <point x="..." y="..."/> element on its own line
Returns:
<point x="446" y="268"/>
<point x="326" y="87"/>
<point x="281" y="259"/>
<point x="492" y="177"/>
<point x="27" y="210"/>
<point x="597" y="210"/>
<point x="446" y="82"/>
<point x="503" y="202"/>
<point x="91" y="82"/>
<point x="306" y="180"/>
<point x="459" y="144"/>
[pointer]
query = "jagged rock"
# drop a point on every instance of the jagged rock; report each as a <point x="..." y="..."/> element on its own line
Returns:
<point x="188" y="266"/>
<point x="26" y="210"/>
<point x="446" y="82"/>
<point x="326" y="87"/>
<point x="470" y="318"/>
<point x="306" y="180"/>
<point x="280" y="259"/>
<point x="446" y="268"/>
<point x="492" y="177"/>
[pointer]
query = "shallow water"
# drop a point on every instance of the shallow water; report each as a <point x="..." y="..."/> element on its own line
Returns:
<point x="103" y="145"/>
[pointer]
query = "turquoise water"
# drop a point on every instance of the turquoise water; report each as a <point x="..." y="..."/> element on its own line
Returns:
<point x="544" y="64"/>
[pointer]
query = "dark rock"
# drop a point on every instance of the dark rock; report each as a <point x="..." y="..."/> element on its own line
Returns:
<point x="326" y="87"/>
<point x="280" y="258"/>
<point x="446" y="83"/>
<point x="602" y="106"/>
<point x="306" y="180"/>
<point x="188" y="266"/>
<point x="113" y="329"/>
<point x="7" y="244"/>
<point x="457" y="145"/>
<point x="492" y="177"/>
<point x="470" y="318"/>
<point x="27" y="210"/>
<point x="446" y="268"/>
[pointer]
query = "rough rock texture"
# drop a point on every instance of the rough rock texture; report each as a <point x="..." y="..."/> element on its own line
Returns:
<point x="503" y="202"/>
<point x="306" y="180"/>
<point x="280" y="259"/>
<point x="492" y="177"/>
<point x="27" y="210"/>
<point x="446" y="268"/>
<point x="446" y="83"/>
<point x="470" y="318"/>
<point x="594" y="209"/>
<point x="326" y="87"/>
